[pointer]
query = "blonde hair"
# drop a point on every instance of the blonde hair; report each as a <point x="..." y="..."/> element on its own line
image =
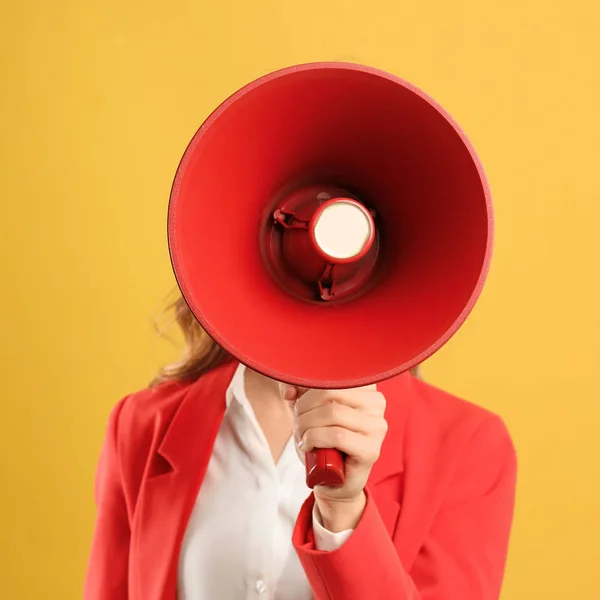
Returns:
<point x="201" y="353"/>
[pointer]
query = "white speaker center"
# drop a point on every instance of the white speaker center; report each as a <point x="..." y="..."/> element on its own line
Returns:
<point x="343" y="230"/>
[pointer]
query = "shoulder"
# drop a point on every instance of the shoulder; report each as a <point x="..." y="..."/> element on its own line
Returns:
<point x="147" y="406"/>
<point x="141" y="419"/>
<point x="420" y="405"/>
<point x="434" y="407"/>
<point x="138" y="422"/>
<point x="445" y="434"/>
<point x="469" y="446"/>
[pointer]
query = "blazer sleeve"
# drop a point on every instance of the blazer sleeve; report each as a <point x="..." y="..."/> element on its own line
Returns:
<point x="107" y="568"/>
<point x="463" y="555"/>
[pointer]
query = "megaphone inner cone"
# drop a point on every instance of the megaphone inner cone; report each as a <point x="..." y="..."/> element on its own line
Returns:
<point x="321" y="244"/>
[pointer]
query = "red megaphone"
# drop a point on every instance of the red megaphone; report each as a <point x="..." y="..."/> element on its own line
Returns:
<point x="330" y="226"/>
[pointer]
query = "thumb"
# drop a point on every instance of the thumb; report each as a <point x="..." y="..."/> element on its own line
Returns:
<point x="288" y="392"/>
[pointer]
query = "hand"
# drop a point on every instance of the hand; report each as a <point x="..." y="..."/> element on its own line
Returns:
<point x="352" y="421"/>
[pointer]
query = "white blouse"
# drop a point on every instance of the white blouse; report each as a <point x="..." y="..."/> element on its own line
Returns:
<point x="238" y="540"/>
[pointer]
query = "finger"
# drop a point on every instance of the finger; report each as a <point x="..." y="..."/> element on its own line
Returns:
<point x="332" y="413"/>
<point x="355" y="445"/>
<point x="291" y="392"/>
<point x="300" y="391"/>
<point x="370" y="401"/>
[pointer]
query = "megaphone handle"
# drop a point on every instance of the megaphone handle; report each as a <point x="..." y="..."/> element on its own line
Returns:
<point x="324" y="466"/>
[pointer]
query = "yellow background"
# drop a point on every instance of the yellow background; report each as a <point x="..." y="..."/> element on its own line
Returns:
<point x="99" y="99"/>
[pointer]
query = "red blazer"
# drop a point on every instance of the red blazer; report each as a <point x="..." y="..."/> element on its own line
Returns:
<point x="436" y="524"/>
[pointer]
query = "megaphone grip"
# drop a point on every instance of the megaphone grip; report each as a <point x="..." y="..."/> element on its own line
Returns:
<point x="324" y="466"/>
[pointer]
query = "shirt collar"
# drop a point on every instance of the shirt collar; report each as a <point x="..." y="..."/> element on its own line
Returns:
<point x="236" y="392"/>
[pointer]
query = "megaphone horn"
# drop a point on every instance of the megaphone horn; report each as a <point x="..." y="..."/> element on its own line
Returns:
<point x="337" y="206"/>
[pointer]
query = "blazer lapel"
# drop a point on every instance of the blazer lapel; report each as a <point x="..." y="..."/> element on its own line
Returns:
<point x="387" y="476"/>
<point x="168" y="494"/>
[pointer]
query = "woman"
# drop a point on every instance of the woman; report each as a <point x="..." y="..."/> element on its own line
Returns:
<point x="201" y="496"/>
